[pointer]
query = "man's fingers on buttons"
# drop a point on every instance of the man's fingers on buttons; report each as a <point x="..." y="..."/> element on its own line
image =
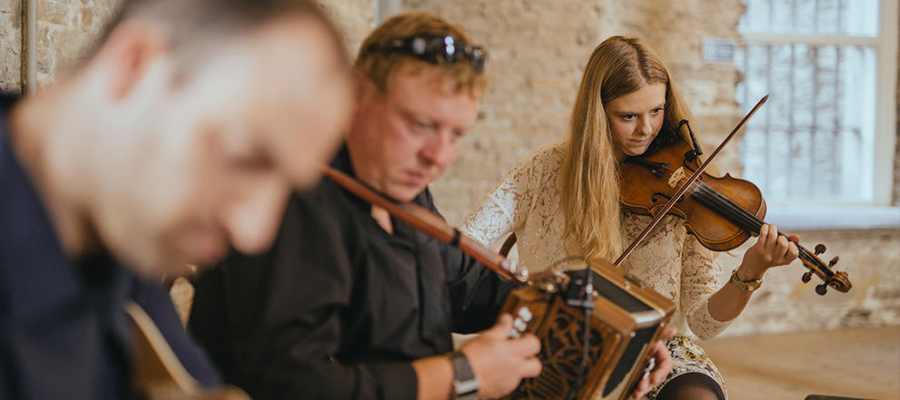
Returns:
<point x="527" y="344"/>
<point x="531" y="367"/>
<point x="502" y="328"/>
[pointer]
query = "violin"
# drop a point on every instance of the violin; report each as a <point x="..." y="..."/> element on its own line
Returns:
<point x="721" y="212"/>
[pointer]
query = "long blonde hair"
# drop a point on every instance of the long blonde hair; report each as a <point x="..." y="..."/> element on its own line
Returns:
<point x="589" y="175"/>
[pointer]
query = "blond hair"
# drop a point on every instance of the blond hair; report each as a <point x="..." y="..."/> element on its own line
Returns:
<point x="589" y="175"/>
<point x="380" y="66"/>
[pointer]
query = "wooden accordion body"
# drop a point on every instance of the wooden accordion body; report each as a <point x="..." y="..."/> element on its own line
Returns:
<point x="627" y="317"/>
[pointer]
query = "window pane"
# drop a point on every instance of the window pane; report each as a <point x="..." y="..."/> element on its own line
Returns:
<point x="812" y="17"/>
<point x="811" y="142"/>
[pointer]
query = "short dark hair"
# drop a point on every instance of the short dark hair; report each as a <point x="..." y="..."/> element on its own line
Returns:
<point x="191" y="23"/>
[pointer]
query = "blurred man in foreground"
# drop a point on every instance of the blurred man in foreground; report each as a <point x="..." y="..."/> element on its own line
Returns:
<point x="182" y="134"/>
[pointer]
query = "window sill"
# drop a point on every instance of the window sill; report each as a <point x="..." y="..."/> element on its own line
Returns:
<point x="795" y="217"/>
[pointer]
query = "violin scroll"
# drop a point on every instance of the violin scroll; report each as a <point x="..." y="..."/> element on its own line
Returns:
<point x="838" y="280"/>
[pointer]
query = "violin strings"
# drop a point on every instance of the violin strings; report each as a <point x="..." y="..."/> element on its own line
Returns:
<point x="706" y="194"/>
<point x="737" y="213"/>
<point x="745" y="215"/>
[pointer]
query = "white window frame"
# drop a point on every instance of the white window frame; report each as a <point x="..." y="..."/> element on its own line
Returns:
<point x="879" y="212"/>
<point x="886" y="111"/>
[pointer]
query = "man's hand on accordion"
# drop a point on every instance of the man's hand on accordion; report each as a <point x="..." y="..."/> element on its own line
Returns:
<point x="663" y="365"/>
<point x="499" y="362"/>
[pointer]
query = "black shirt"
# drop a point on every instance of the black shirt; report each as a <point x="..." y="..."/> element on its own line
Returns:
<point x="63" y="330"/>
<point x="339" y="308"/>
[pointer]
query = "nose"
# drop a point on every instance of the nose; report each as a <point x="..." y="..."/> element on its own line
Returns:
<point x="645" y="127"/>
<point x="252" y="222"/>
<point x="439" y="149"/>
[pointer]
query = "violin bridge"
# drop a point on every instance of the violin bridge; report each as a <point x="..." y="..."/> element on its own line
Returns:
<point x="677" y="177"/>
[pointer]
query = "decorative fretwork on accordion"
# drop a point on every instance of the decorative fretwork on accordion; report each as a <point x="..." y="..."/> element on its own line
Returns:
<point x="626" y="318"/>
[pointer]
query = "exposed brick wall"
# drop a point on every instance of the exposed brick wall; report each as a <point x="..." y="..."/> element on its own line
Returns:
<point x="784" y="304"/>
<point x="10" y="45"/>
<point x="65" y="32"/>
<point x="538" y="50"/>
<point x="354" y="17"/>
<point x="537" y="53"/>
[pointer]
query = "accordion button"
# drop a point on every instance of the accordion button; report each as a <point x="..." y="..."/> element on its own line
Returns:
<point x="520" y="325"/>
<point x="525" y="314"/>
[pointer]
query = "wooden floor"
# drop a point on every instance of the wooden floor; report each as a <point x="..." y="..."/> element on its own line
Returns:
<point x="855" y="363"/>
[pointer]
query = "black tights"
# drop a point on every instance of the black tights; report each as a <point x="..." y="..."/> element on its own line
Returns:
<point x="691" y="386"/>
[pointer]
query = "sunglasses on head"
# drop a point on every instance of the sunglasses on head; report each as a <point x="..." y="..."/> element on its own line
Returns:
<point x="436" y="49"/>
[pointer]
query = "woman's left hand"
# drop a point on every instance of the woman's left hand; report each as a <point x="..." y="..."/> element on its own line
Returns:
<point x="663" y="365"/>
<point x="770" y="250"/>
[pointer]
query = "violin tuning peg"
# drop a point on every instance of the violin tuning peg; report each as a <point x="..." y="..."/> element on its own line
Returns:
<point x="821" y="289"/>
<point x="806" y="277"/>
<point x="820" y="248"/>
<point x="834" y="261"/>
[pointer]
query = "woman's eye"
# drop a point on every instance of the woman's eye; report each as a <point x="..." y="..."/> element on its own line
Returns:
<point x="628" y="117"/>
<point x="657" y="111"/>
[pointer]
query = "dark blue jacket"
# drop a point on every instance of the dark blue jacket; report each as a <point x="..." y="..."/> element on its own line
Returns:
<point x="63" y="330"/>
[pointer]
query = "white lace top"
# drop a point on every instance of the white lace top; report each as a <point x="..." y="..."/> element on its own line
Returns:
<point x="527" y="202"/>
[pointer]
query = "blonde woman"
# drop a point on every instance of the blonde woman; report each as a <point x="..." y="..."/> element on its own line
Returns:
<point x="563" y="201"/>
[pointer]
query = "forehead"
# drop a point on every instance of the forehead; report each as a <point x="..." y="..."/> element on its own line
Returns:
<point x="280" y="86"/>
<point x="290" y="53"/>
<point x="430" y="91"/>
<point x="645" y="98"/>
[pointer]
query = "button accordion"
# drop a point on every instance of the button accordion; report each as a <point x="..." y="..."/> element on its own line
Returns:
<point x="626" y="318"/>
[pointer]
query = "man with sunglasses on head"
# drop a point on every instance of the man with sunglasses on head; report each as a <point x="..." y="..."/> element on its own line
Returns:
<point x="351" y="303"/>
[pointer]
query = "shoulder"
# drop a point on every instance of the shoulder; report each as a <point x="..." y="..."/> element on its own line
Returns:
<point x="549" y="156"/>
<point x="542" y="164"/>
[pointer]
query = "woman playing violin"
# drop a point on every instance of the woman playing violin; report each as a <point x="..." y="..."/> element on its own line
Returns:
<point x="564" y="200"/>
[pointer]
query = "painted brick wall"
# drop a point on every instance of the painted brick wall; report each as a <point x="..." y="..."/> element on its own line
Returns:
<point x="537" y="52"/>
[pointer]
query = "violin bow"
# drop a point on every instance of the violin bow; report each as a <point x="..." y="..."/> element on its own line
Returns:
<point x="687" y="184"/>
<point x="429" y="223"/>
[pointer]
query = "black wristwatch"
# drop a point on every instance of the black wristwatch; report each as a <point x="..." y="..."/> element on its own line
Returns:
<point x="465" y="384"/>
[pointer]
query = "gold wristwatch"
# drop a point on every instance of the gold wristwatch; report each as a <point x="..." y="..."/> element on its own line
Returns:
<point x="748" y="285"/>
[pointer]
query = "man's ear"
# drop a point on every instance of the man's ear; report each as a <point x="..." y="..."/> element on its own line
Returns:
<point x="129" y="50"/>
<point x="365" y="86"/>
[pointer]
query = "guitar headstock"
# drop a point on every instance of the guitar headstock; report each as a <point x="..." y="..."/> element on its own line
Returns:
<point x="838" y="280"/>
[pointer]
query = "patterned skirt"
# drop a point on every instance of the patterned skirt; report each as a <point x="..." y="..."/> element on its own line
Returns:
<point x="689" y="358"/>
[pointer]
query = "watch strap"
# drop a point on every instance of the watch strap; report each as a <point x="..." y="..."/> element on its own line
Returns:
<point x="748" y="285"/>
<point x="465" y="384"/>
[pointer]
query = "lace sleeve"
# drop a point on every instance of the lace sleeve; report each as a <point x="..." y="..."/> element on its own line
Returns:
<point x="504" y="209"/>
<point x="702" y="276"/>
